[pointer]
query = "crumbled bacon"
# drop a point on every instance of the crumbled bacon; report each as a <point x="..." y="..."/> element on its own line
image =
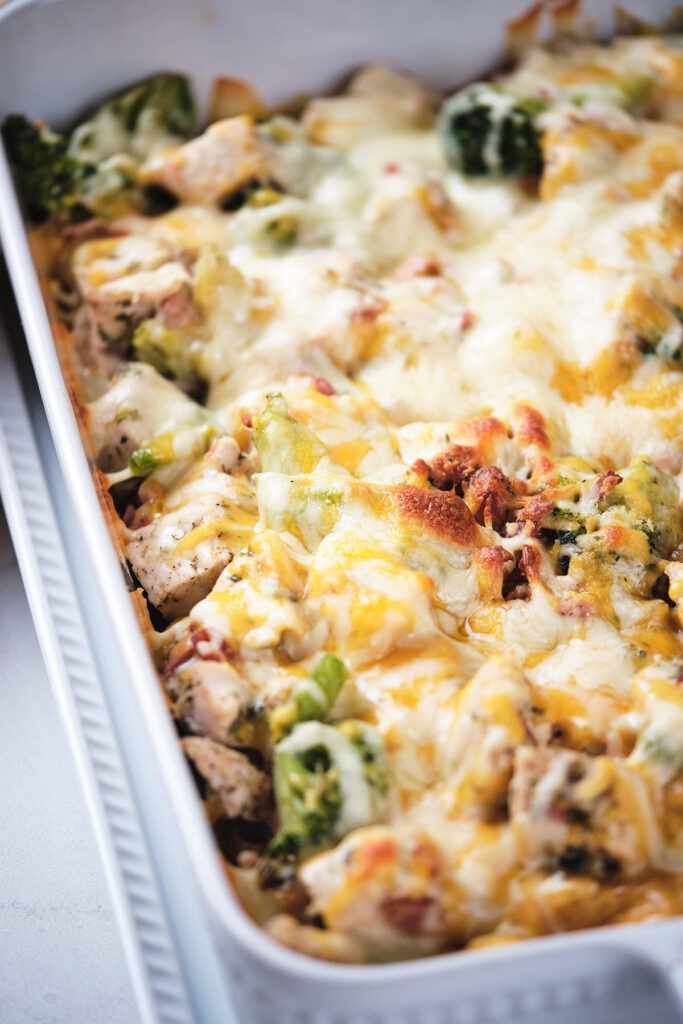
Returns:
<point x="530" y="563"/>
<point x="368" y="308"/>
<point x="606" y="483"/>
<point x="466" y="319"/>
<point x="449" y="468"/>
<point x="205" y="644"/>
<point x="576" y="606"/>
<point x="491" y="562"/>
<point x="411" y="915"/>
<point x="418" y="266"/>
<point x="177" y="310"/>
<point x="489" y="489"/>
<point x="247" y="420"/>
<point x="323" y="386"/>
<point x="534" y="514"/>
<point x="129" y="516"/>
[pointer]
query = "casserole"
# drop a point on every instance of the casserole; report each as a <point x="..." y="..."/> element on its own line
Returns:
<point x="408" y="972"/>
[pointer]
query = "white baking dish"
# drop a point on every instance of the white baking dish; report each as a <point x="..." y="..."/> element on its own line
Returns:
<point x="57" y="56"/>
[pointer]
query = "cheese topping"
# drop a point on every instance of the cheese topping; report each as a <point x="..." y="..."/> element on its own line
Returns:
<point x="392" y="409"/>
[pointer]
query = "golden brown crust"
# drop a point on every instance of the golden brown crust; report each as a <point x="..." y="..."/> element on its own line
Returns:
<point x="490" y="565"/>
<point x="530" y="426"/>
<point x="63" y="339"/>
<point x="441" y="512"/>
<point x="448" y="468"/>
<point x="111" y="516"/>
<point x="490" y="495"/>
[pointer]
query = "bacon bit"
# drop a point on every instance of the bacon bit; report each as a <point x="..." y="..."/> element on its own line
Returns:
<point x="530" y="563"/>
<point x="490" y="562"/>
<point x="575" y="605"/>
<point x="490" y="490"/>
<point x="442" y="512"/>
<point x="205" y="644"/>
<point x="177" y="310"/>
<point x="466" y="319"/>
<point x="534" y="514"/>
<point x="247" y="420"/>
<point x="411" y="915"/>
<point x="392" y="168"/>
<point x="449" y="468"/>
<point x="323" y="386"/>
<point x="418" y="266"/>
<point x="369" y="308"/>
<point x="530" y="426"/>
<point x="606" y="483"/>
<point x="129" y="516"/>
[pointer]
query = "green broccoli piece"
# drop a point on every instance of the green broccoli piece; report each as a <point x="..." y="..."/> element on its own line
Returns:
<point x="651" y="500"/>
<point x="179" y="445"/>
<point x="144" y="460"/>
<point x="486" y="131"/>
<point x="47" y="174"/>
<point x="308" y="797"/>
<point x="327" y="781"/>
<point x="312" y="698"/>
<point x="169" y="350"/>
<point x="153" y="112"/>
<point x="283" y="444"/>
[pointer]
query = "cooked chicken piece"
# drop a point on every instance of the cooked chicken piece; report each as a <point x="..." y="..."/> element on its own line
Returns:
<point x="213" y="165"/>
<point x="139" y="405"/>
<point x="581" y="815"/>
<point x="180" y="554"/>
<point x="98" y="261"/>
<point x="234" y="786"/>
<point x="377" y="100"/>
<point x="211" y="699"/>
<point x="224" y="454"/>
<point x="123" y="281"/>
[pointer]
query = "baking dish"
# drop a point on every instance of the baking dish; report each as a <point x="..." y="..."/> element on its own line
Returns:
<point x="269" y="980"/>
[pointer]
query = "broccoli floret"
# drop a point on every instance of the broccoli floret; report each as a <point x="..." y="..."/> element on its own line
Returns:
<point x="153" y="112"/>
<point x="48" y="175"/>
<point x="312" y="698"/>
<point x="283" y="444"/>
<point x="169" y="350"/>
<point x="651" y="501"/>
<point x="487" y="131"/>
<point x="327" y="780"/>
<point x="187" y="442"/>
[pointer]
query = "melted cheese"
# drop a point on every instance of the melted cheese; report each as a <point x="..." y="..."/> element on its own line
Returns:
<point x="521" y="677"/>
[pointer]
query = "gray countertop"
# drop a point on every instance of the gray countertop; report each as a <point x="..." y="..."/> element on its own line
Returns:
<point x="61" y="959"/>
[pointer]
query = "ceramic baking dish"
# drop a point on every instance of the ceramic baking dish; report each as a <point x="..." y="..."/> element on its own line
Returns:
<point x="56" y="56"/>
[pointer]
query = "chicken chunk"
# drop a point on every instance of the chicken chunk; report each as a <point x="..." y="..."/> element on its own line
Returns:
<point x="377" y="100"/>
<point x="213" y="165"/>
<point x="122" y="281"/>
<point x="211" y="699"/>
<point x="180" y="554"/>
<point x="234" y="786"/>
<point x="139" y="406"/>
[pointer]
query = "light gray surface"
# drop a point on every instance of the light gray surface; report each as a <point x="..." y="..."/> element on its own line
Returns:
<point x="60" y="957"/>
